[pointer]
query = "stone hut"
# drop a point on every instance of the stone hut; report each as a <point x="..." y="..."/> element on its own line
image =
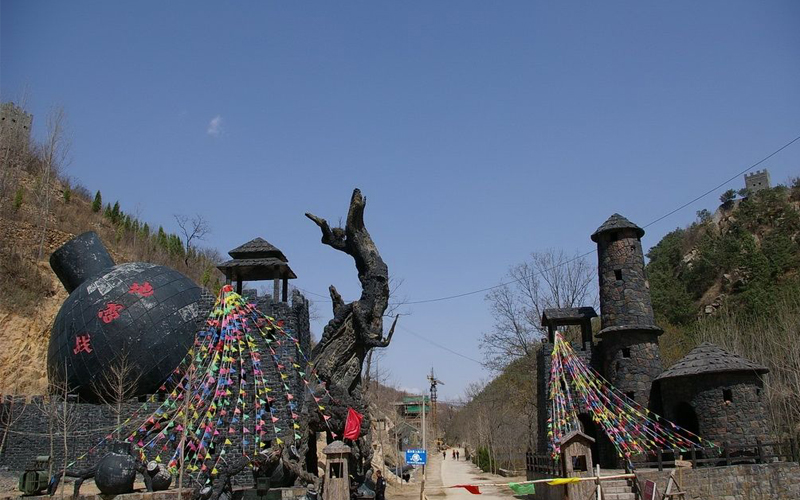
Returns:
<point x="629" y="335"/>
<point x="715" y="394"/>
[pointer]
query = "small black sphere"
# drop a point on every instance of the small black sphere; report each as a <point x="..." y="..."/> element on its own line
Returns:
<point x="115" y="474"/>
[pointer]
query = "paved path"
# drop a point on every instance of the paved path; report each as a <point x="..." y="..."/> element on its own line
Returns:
<point x="464" y="472"/>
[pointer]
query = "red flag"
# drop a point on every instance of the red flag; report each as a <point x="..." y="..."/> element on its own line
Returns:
<point x="469" y="487"/>
<point x="352" y="427"/>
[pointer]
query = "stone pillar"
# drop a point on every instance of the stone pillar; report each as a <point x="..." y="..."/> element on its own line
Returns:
<point x="337" y="476"/>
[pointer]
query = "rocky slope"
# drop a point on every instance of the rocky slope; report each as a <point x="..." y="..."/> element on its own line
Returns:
<point x="746" y="255"/>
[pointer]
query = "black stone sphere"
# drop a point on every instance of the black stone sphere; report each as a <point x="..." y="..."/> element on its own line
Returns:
<point x="143" y="313"/>
<point x="160" y="478"/>
<point x="115" y="474"/>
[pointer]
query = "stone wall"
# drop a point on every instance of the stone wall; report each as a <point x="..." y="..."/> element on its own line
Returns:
<point x="544" y="491"/>
<point x="28" y="436"/>
<point x="742" y="420"/>
<point x="776" y="481"/>
<point x="296" y="322"/>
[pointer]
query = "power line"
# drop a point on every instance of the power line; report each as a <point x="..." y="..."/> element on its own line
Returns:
<point x="577" y="257"/>
<point x="751" y="167"/>
<point x="440" y="346"/>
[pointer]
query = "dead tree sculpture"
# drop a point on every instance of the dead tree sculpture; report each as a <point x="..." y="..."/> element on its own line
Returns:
<point x="356" y="328"/>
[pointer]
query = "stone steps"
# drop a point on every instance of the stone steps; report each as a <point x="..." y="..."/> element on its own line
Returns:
<point x="617" y="489"/>
<point x="619" y="496"/>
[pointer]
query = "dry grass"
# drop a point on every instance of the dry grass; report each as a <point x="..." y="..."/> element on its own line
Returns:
<point x="30" y="294"/>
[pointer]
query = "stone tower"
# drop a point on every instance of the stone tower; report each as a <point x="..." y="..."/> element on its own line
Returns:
<point x="15" y="122"/>
<point x="757" y="181"/>
<point x="629" y="335"/>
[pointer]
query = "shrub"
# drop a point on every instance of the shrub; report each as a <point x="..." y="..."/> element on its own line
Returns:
<point x="728" y="196"/>
<point x="18" y="198"/>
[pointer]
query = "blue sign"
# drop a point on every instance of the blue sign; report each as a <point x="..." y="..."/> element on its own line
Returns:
<point x="416" y="457"/>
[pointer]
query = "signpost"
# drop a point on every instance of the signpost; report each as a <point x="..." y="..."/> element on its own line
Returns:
<point x="424" y="449"/>
<point x="649" y="490"/>
<point x="416" y="457"/>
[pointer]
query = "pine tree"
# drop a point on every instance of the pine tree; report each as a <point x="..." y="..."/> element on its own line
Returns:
<point x="97" y="204"/>
<point x="161" y="239"/>
<point x="115" y="213"/>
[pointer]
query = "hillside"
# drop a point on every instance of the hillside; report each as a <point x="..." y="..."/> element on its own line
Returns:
<point x="746" y="256"/>
<point x="733" y="279"/>
<point x="40" y="209"/>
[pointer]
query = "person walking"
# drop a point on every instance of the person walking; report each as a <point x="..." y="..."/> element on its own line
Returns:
<point x="444" y="455"/>
<point x="454" y="454"/>
<point x="380" y="486"/>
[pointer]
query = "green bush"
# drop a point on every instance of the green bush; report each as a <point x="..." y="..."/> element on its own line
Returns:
<point x="18" y="198"/>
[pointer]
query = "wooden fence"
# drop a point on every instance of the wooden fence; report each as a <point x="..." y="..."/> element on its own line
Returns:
<point x="728" y="454"/>
<point x="542" y="464"/>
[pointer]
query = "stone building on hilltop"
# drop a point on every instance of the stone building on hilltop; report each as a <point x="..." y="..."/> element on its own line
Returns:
<point x="757" y="181"/>
<point x="14" y="121"/>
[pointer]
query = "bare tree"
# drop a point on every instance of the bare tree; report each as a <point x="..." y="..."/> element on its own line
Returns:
<point x="548" y="279"/>
<point x="62" y="419"/>
<point x="117" y="385"/>
<point x="55" y="151"/>
<point x="9" y="418"/>
<point x="194" y="229"/>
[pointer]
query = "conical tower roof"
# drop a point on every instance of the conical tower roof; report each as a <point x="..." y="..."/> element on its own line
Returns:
<point x="709" y="358"/>
<point x="257" y="248"/>
<point x="615" y="223"/>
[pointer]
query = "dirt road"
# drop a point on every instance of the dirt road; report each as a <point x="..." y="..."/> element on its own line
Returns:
<point x="443" y="473"/>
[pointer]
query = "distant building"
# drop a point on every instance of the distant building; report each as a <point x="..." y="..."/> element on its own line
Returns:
<point x="411" y="407"/>
<point x="15" y="122"/>
<point x="757" y="181"/>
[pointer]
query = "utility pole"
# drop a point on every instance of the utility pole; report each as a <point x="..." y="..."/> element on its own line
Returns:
<point x="434" y="382"/>
<point x="424" y="447"/>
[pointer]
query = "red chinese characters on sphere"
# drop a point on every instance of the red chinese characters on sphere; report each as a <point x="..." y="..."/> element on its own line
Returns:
<point x="110" y="313"/>
<point x="83" y="344"/>
<point x="145" y="289"/>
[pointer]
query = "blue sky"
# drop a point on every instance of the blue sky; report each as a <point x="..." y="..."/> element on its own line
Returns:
<point x="479" y="131"/>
